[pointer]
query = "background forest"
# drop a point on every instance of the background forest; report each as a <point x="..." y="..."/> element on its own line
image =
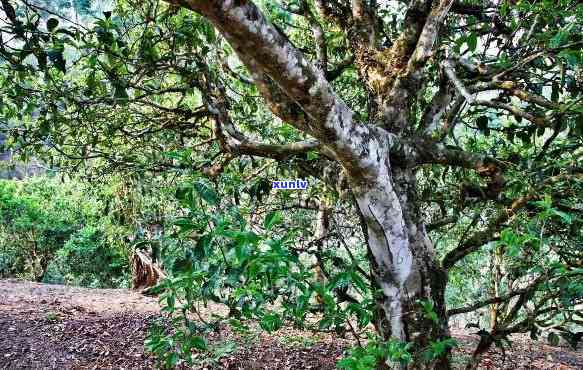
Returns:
<point x="116" y="139"/>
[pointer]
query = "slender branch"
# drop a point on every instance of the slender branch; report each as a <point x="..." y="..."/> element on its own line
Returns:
<point x="482" y="237"/>
<point x="429" y="34"/>
<point x="217" y="168"/>
<point x="537" y="120"/>
<point x="317" y="32"/>
<point x="236" y="143"/>
<point x="437" y="109"/>
<point x="510" y="87"/>
<point x="499" y="299"/>
<point x="407" y="57"/>
<point x="334" y="11"/>
<point x="443" y="222"/>
<point x="532" y="57"/>
<point x="449" y="69"/>
<point x="430" y="151"/>
<point x="549" y="141"/>
<point x="364" y="31"/>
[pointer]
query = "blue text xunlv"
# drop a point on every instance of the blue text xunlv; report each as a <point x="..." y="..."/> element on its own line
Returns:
<point x="290" y="184"/>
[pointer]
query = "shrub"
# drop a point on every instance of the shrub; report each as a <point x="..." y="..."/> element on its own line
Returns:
<point x="88" y="260"/>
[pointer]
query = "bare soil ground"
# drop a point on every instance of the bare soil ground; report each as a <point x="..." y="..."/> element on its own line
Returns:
<point x="59" y="327"/>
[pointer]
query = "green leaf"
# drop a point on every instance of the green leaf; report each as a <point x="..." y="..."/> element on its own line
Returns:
<point x="312" y="155"/>
<point x="342" y="279"/>
<point x="184" y="194"/>
<point x="197" y="342"/>
<point x="172" y="360"/>
<point x="56" y="57"/>
<point x="238" y="326"/>
<point x="429" y="310"/>
<point x="206" y="192"/>
<point x="572" y="57"/>
<point x="209" y="32"/>
<point x="563" y="215"/>
<point x="272" y="219"/>
<point x="242" y="251"/>
<point x="472" y="41"/>
<point x="572" y="338"/>
<point x="170" y="301"/>
<point x="482" y="123"/>
<point x="52" y="23"/>
<point x="578" y="127"/>
<point x="326" y="322"/>
<point x="271" y="322"/>
<point x="553" y="339"/>
<point x="185" y="225"/>
<point x="359" y="282"/>
<point x="120" y="93"/>
<point x="524" y="136"/>
<point x="202" y="249"/>
<point x="243" y="237"/>
<point x="555" y="92"/>
<point x="346" y="363"/>
<point x="562" y="36"/>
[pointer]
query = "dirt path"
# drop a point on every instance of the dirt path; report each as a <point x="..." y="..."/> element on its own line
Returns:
<point x="57" y="327"/>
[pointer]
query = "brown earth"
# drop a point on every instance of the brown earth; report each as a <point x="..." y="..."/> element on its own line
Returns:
<point x="58" y="327"/>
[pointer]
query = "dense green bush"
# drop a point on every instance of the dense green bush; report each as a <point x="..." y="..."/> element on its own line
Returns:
<point x="55" y="231"/>
<point x="33" y="228"/>
<point x="88" y="260"/>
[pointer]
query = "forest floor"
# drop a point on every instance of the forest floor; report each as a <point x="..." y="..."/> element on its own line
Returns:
<point x="58" y="327"/>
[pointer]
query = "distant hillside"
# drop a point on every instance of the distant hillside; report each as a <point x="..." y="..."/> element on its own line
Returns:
<point x="4" y="155"/>
<point x="11" y="169"/>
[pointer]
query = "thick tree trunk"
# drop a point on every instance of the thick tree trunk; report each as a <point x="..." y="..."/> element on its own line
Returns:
<point x="401" y="254"/>
<point x="403" y="263"/>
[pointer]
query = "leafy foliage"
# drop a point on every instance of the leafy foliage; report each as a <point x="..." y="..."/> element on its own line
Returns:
<point x="55" y="231"/>
<point x="90" y="261"/>
<point x="375" y="352"/>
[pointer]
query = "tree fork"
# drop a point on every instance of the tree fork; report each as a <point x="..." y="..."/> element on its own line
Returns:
<point x="403" y="264"/>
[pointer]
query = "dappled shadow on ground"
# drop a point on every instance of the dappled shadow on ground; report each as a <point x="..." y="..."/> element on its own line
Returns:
<point x="60" y="341"/>
<point x="57" y="327"/>
<point x="523" y="353"/>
